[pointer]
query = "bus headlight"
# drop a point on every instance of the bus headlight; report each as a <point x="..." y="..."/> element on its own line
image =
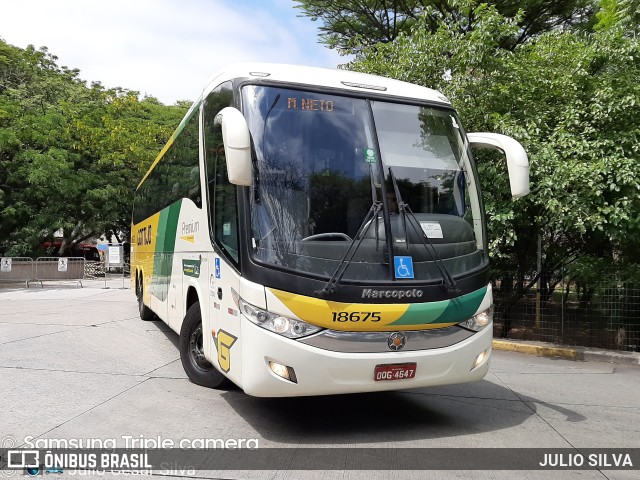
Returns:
<point x="279" y="324"/>
<point x="479" y="320"/>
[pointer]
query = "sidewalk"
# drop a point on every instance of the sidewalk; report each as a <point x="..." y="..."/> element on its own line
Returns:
<point x="112" y="280"/>
<point x="543" y="349"/>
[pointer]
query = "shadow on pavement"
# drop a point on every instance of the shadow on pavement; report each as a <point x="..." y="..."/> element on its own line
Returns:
<point x="387" y="416"/>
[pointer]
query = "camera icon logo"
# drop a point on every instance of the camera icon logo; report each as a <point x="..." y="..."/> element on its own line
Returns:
<point x="26" y="460"/>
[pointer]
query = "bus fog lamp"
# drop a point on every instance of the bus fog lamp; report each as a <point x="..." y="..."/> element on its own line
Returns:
<point x="283" y="371"/>
<point x="480" y="359"/>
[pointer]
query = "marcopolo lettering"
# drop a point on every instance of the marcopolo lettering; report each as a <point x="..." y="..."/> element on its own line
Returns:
<point x="371" y="293"/>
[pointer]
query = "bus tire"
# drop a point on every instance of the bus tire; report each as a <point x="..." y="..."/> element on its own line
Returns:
<point x="146" y="313"/>
<point x="197" y="367"/>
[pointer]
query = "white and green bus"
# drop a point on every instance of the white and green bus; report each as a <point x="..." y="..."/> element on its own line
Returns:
<point x="310" y="231"/>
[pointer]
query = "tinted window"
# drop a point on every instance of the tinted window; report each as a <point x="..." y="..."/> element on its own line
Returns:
<point x="175" y="176"/>
<point x="223" y="208"/>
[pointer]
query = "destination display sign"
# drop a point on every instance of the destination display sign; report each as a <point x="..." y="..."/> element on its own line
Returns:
<point x="313" y="104"/>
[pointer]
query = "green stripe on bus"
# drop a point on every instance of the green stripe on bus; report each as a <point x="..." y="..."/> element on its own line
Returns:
<point x="165" y="246"/>
<point x="463" y="307"/>
<point x="445" y="311"/>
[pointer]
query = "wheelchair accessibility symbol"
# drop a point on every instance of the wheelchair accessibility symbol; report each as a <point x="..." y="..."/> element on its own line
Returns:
<point x="403" y="267"/>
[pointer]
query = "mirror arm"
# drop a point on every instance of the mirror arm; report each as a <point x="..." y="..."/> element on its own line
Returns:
<point x="517" y="160"/>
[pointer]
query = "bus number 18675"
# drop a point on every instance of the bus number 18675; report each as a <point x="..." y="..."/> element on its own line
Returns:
<point x="357" y="316"/>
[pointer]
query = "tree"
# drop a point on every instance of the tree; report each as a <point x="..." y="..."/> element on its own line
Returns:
<point x="619" y="13"/>
<point x="350" y="25"/>
<point x="572" y="99"/>
<point x="70" y="154"/>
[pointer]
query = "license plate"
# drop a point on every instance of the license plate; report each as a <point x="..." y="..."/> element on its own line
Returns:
<point x="396" y="371"/>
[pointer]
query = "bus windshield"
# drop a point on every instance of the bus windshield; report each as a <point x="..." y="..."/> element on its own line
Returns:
<point x="324" y="161"/>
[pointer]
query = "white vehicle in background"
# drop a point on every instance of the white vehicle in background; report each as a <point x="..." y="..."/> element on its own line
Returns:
<point x="310" y="231"/>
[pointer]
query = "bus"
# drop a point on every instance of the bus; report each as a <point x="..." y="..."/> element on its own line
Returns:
<point x="88" y="251"/>
<point x="313" y="231"/>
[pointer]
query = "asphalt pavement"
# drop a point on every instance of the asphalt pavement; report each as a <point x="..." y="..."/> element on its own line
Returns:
<point x="78" y="363"/>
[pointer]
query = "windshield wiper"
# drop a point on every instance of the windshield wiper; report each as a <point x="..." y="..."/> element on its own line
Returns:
<point x="374" y="197"/>
<point x="449" y="283"/>
<point x="376" y="207"/>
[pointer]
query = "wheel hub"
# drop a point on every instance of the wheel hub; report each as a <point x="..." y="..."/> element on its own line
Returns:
<point x="197" y="351"/>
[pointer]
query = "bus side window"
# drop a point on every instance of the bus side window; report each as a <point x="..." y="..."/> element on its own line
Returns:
<point x="183" y="174"/>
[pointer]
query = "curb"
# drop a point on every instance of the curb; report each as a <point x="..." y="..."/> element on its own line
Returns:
<point x="543" y="349"/>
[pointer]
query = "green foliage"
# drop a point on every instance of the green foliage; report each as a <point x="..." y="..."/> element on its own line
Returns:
<point x="607" y="15"/>
<point x="351" y="25"/>
<point x="572" y="99"/>
<point x="619" y="13"/>
<point x="612" y="284"/>
<point x="70" y="154"/>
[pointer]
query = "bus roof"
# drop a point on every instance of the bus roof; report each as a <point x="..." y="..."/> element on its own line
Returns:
<point x="344" y="80"/>
<point x="324" y="77"/>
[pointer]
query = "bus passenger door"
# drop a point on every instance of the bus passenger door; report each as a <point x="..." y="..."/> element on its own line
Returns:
<point x="224" y="276"/>
<point x="223" y="316"/>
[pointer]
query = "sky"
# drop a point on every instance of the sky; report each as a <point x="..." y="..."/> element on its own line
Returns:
<point x="163" y="48"/>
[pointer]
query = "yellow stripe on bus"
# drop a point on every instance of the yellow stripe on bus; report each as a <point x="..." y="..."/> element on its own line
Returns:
<point x="367" y="317"/>
<point x="155" y="162"/>
<point x="144" y="236"/>
<point x="341" y="316"/>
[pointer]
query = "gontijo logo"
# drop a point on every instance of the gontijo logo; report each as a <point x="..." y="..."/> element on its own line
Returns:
<point x="143" y="236"/>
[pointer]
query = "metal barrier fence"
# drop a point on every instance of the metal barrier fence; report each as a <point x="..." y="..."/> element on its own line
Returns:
<point x="603" y="312"/>
<point x="93" y="270"/>
<point x="63" y="268"/>
<point x="17" y="269"/>
<point x="27" y="270"/>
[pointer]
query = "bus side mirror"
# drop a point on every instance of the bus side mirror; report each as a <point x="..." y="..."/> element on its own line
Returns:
<point x="517" y="161"/>
<point x="237" y="145"/>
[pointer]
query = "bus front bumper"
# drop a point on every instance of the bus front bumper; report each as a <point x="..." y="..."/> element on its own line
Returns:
<point x="323" y="372"/>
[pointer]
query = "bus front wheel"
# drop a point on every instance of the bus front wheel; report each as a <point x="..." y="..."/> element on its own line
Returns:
<point x="198" y="368"/>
